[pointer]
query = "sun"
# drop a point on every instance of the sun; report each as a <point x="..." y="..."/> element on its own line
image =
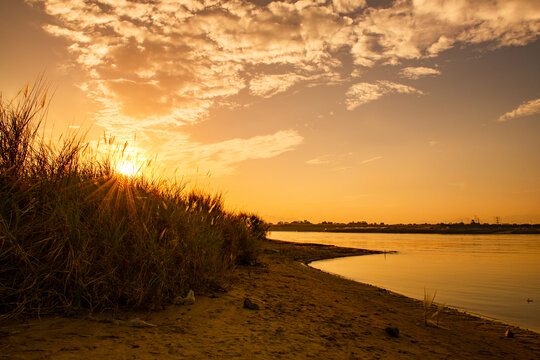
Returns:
<point x="127" y="168"/>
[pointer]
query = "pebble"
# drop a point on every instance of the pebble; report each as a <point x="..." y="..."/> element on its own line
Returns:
<point x="248" y="304"/>
<point x="392" y="331"/>
<point x="188" y="300"/>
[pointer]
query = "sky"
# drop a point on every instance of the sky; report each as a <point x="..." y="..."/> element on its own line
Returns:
<point x="337" y="110"/>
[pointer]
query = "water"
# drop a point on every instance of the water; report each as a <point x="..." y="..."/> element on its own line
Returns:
<point x="489" y="275"/>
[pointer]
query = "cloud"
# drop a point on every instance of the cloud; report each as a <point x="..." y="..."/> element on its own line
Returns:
<point x="347" y="6"/>
<point x="222" y="157"/>
<point x="443" y="43"/>
<point x="525" y="109"/>
<point x="270" y="85"/>
<point x="335" y="159"/>
<point x="371" y="159"/>
<point x="504" y="23"/>
<point x="67" y="33"/>
<point x="362" y="93"/>
<point x="193" y="50"/>
<point x="419" y="29"/>
<point x="163" y="64"/>
<point x="418" y="72"/>
<point x="319" y="160"/>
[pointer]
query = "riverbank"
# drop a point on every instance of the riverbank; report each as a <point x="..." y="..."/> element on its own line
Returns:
<point x="303" y="313"/>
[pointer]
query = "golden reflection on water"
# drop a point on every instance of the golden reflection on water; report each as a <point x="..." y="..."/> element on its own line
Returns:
<point x="492" y="275"/>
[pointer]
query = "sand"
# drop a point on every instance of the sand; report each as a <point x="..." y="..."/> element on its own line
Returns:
<point x="303" y="313"/>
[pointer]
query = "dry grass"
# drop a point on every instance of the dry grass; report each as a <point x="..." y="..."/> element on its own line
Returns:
<point x="431" y="309"/>
<point x="76" y="236"/>
<point x="428" y="305"/>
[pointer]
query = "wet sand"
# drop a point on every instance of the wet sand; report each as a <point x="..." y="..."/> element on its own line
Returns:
<point x="303" y="313"/>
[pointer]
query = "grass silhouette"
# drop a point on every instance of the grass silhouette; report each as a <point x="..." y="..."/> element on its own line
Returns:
<point x="75" y="234"/>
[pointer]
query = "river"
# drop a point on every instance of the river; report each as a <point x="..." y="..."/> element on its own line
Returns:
<point x="496" y="276"/>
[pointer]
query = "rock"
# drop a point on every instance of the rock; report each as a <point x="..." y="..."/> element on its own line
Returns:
<point x="509" y="333"/>
<point x="392" y="331"/>
<point x="188" y="300"/>
<point x="250" y="305"/>
<point x="178" y="300"/>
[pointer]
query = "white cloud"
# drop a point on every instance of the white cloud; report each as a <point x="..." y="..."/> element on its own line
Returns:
<point x="346" y="6"/>
<point x="321" y="160"/>
<point x="371" y="159"/>
<point x="222" y="157"/>
<point x="270" y="85"/>
<point x="194" y="49"/>
<point x="442" y="44"/>
<point x="423" y="28"/>
<point x="65" y="32"/>
<point x="418" y="72"/>
<point x="160" y="64"/>
<point x="503" y="22"/>
<point x="362" y="93"/>
<point x="525" y="109"/>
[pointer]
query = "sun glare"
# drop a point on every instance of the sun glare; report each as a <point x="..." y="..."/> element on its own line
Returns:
<point x="127" y="168"/>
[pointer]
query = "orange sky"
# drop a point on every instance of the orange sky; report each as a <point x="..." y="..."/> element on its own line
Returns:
<point x="340" y="110"/>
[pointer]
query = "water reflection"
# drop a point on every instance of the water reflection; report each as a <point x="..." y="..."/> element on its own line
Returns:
<point x="492" y="275"/>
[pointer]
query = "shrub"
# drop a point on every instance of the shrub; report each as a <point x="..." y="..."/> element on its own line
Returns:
<point x="75" y="234"/>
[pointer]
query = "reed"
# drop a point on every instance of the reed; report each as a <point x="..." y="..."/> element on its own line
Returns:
<point x="428" y="305"/>
<point x="432" y="310"/>
<point x="75" y="235"/>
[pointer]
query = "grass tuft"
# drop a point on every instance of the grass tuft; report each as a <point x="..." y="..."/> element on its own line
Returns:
<point x="77" y="235"/>
<point x="431" y="309"/>
<point x="428" y="305"/>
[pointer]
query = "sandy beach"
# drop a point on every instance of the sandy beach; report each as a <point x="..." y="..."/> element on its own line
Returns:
<point x="303" y="313"/>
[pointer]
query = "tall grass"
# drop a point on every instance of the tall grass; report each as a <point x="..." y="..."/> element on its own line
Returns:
<point x="75" y="234"/>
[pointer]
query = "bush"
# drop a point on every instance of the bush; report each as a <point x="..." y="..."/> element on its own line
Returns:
<point x="75" y="234"/>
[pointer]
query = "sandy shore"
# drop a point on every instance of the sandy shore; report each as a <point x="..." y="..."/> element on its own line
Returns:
<point x="303" y="313"/>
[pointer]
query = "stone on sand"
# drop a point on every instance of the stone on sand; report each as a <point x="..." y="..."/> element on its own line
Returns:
<point x="392" y="331"/>
<point x="248" y="304"/>
<point x="188" y="300"/>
